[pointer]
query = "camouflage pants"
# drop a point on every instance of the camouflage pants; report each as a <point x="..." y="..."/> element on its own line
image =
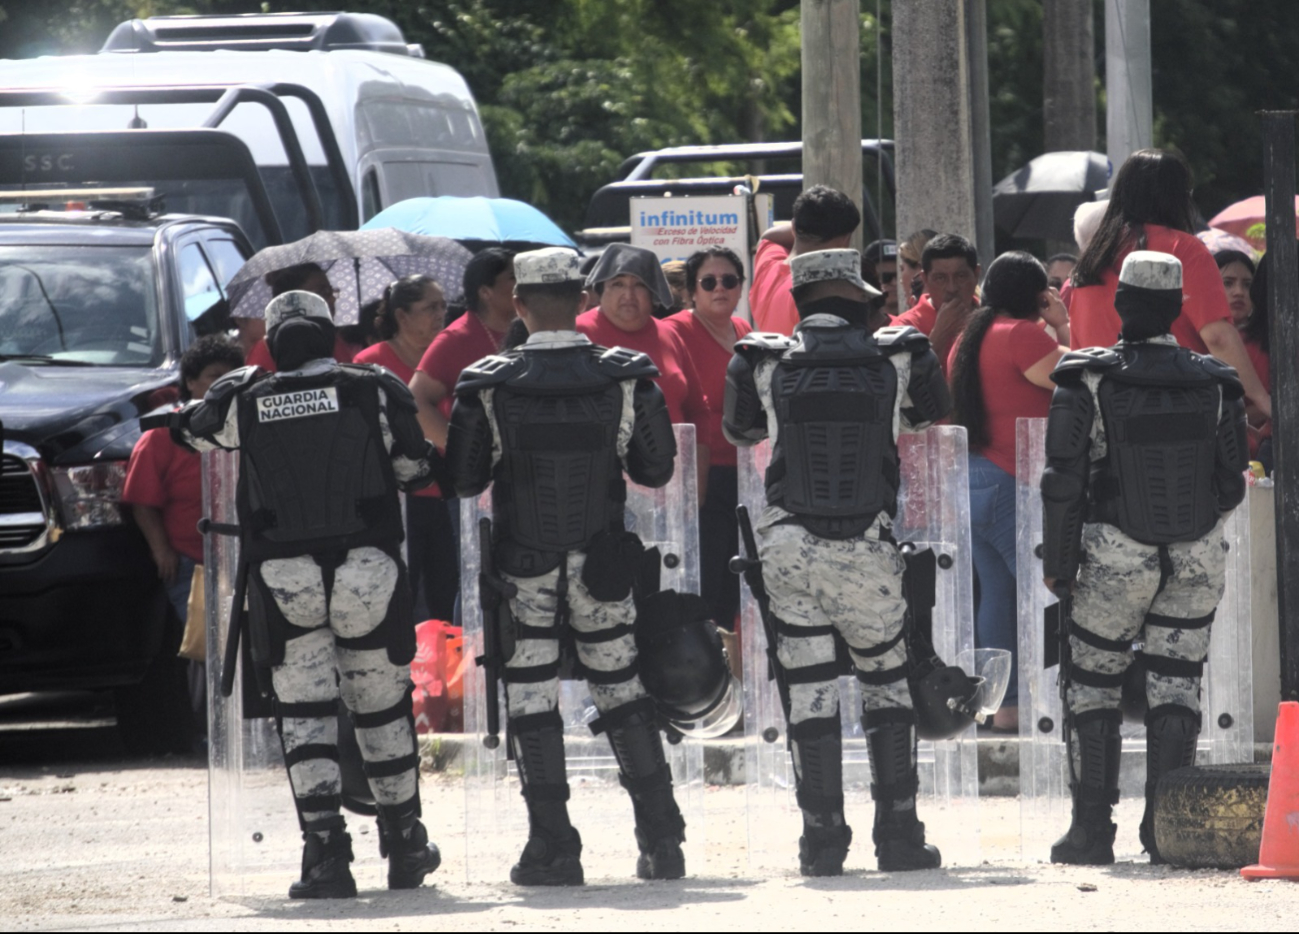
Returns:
<point x="854" y="585"/>
<point x="1129" y="592"/>
<point x="535" y="606"/>
<point x="316" y="670"/>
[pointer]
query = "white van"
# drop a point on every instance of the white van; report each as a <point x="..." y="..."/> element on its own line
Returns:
<point x="332" y="115"/>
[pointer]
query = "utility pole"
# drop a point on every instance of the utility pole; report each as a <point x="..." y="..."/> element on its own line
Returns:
<point x="976" y="19"/>
<point x="1283" y="305"/>
<point x="1069" y="85"/>
<point x="1129" y="112"/>
<point x="832" y="97"/>
<point x="932" y="118"/>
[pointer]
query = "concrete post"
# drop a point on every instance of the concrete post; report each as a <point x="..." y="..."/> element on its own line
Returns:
<point x="1129" y="111"/>
<point x="832" y="97"/>
<point x="931" y="118"/>
<point x="976" y="18"/>
<point x="1069" y="80"/>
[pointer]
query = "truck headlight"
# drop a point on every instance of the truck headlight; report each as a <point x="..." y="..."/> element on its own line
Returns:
<point x="90" y="496"/>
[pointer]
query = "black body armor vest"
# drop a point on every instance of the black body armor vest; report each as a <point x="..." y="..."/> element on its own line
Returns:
<point x="1160" y="410"/>
<point x="835" y="462"/>
<point x="559" y="481"/>
<point x="315" y="475"/>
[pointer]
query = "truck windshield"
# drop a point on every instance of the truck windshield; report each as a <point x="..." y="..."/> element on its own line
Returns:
<point x="79" y="305"/>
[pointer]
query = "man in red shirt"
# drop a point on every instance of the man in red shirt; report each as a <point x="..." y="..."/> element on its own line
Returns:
<point x="630" y="283"/>
<point x="949" y="267"/>
<point x="824" y="219"/>
<point x="307" y="277"/>
<point x="478" y="333"/>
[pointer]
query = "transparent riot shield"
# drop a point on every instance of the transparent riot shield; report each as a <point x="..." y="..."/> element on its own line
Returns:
<point x="1227" y="690"/>
<point x="495" y="815"/>
<point x="933" y="512"/>
<point x="255" y="845"/>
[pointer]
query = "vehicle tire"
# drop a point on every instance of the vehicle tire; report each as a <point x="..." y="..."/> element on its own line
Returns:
<point x="154" y="717"/>
<point x="1211" y="817"/>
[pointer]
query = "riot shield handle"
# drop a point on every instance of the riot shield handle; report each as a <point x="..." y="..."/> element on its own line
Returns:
<point x="1064" y="594"/>
<point x="492" y="591"/>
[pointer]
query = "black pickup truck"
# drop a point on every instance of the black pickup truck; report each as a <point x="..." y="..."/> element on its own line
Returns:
<point x="699" y="171"/>
<point x="96" y="307"/>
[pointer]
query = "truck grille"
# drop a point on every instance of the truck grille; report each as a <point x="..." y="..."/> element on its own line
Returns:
<point x="22" y="513"/>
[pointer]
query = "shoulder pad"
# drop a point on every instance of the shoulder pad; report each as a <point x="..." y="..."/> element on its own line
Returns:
<point x="620" y="363"/>
<point x="901" y="337"/>
<point x="763" y="342"/>
<point x="234" y="381"/>
<point x="1073" y="364"/>
<point x="398" y="393"/>
<point x="490" y="371"/>
<point x="1225" y="374"/>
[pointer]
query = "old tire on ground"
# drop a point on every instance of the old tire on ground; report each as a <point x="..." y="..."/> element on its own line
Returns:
<point x="1211" y="817"/>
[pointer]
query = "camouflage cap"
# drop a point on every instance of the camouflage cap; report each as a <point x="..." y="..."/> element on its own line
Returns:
<point x="827" y="266"/>
<point x="1148" y="269"/>
<point x="551" y="266"/>
<point x="296" y="304"/>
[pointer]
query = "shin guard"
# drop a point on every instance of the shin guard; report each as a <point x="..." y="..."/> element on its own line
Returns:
<point x="898" y="834"/>
<point x="1095" y="788"/>
<point x="1171" y="735"/>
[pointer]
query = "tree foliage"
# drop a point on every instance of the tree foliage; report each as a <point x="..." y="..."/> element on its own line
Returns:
<point x="570" y="88"/>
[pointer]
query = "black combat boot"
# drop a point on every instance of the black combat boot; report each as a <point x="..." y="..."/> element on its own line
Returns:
<point x="553" y="854"/>
<point x="404" y="841"/>
<point x="898" y="835"/>
<point x="326" y="855"/>
<point x="1171" y="734"/>
<point x="1090" y="838"/>
<point x="816" y="748"/>
<point x="660" y="829"/>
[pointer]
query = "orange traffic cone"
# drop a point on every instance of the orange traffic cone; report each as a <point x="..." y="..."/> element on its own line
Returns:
<point x="1278" y="855"/>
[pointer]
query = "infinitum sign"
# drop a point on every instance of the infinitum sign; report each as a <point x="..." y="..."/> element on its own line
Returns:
<point x="676" y="227"/>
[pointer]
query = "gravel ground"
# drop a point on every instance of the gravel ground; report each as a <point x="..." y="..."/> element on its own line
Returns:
<point x="113" y="844"/>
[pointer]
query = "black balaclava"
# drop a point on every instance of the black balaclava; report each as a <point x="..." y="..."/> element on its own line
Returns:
<point x="300" y="340"/>
<point x="851" y="310"/>
<point x="1149" y="296"/>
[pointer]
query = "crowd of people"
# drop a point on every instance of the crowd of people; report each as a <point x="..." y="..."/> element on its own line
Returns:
<point x="991" y="340"/>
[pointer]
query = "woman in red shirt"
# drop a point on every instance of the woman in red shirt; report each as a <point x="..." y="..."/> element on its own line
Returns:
<point x="1001" y="372"/>
<point x="410" y="316"/>
<point x="709" y="331"/>
<point x="164" y="488"/>
<point x="1150" y="208"/>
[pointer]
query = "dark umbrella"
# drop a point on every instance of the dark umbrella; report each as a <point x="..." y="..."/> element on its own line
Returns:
<point x="359" y="263"/>
<point x="1039" y="199"/>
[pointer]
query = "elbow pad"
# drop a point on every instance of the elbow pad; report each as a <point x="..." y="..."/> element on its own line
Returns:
<point x="930" y="398"/>
<point x="1232" y="456"/>
<point x="652" y="449"/>
<point x="468" y="461"/>
<point x="744" y="420"/>
<point x="1063" y="506"/>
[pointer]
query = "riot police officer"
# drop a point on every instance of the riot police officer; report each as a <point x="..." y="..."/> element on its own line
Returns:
<point x="833" y="399"/>
<point x="325" y="448"/>
<point x="1145" y="452"/>
<point x="552" y="425"/>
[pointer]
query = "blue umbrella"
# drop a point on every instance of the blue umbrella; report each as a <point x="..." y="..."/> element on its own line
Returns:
<point x="492" y="220"/>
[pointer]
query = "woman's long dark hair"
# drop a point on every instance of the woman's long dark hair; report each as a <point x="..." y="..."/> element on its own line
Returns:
<point x="1257" y="328"/>
<point x="1153" y="187"/>
<point x="1012" y="286"/>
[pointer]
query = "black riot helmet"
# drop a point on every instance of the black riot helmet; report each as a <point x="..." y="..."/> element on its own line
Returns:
<point x="944" y="697"/>
<point x="683" y="665"/>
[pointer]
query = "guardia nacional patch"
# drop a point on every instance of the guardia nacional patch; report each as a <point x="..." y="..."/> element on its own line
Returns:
<point x="297" y="404"/>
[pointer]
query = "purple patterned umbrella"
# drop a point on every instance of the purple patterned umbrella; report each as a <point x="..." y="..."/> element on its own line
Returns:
<point x="359" y="263"/>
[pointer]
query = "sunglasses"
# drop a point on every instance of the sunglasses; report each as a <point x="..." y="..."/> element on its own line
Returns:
<point x="728" y="281"/>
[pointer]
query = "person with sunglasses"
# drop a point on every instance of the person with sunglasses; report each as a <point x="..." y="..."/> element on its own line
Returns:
<point x="880" y="268"/>
<point x="709" y="331"/>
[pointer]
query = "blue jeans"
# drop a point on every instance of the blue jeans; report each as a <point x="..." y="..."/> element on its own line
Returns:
<point x="992" y="532"/>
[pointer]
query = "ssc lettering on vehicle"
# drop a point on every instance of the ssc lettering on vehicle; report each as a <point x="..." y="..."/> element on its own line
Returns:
<point x="297" y="404"/>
